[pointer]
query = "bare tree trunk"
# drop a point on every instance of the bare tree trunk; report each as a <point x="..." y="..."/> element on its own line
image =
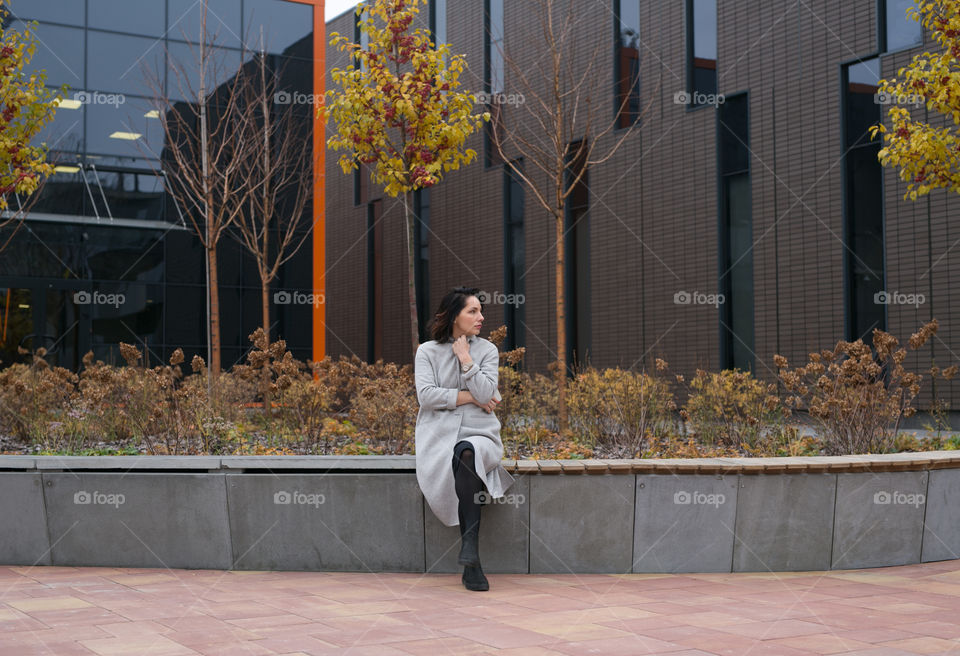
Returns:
<point x="411" y="286"/>
<point x="214" y="313"/>
<point x="561" y="330"/>
<point x="265" y="306"/>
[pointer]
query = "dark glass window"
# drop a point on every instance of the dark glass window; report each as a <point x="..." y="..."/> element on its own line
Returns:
<point x="374" y="282"/>
<point x="897" y="29"/>
<point x="283" y="22"/>
<point x="126" y="16"/>
<point x="64" y="192"/>
<point x="123" y="129"/>
<point x="65" y="132"/>
<point x="626" y="63"/>
<point x="736" y="235"/>
<point x="438" y="21"/>
<point x="46" y="250"/>
<point x="59" y="52"/>
<point x="493" y="67"/>
<point x="137" y="319"/>
<point x="16" y="323"/>
<point x="184" y="258"/>
<point x="223" y="21"/>
<point x="124" y="192"/>
<point x="421" y="254"/>
<point x="701" y="50"/>
<point x="54" y="11"/>
<point x="514" y="258"/>
<point x="114" y="253"/>
<point x="576" y="244"/>
<point x="183" y="74"/>
<point x="185" y="316"/>
<point x="124" y="64"/>
<point x="863" y="203"/>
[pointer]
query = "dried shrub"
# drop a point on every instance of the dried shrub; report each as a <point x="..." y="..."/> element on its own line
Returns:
<point x="620" y="409"/>
<point x="732" y="408"/>
<point x="34" y="395"/>
<point x="385" y="408"/>
<point x="857" y="395"/>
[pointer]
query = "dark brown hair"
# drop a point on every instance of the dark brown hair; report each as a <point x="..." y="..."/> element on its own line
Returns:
<point x="440" y="327"/>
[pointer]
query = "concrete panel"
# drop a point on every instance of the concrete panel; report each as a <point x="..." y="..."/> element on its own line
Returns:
<point x="24" y="539"/>
<point x="581" y="523"/>
<point x="137" y="520"/>
<point x="684" y="523"/>
<point x="941" y="531"/>
<point x="18" y="463"/>
<point x="879" y="519"/>
<point x="784" y="522"/>
<point x="504" y="535"/>
<point x="337" y="522"/>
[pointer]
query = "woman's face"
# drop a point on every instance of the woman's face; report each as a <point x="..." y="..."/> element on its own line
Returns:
<point x="470" y="319"/>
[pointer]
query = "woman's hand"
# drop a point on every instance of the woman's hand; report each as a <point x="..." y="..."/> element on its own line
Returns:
<point x="489" y="406"/>
<point x="462" y="349"/>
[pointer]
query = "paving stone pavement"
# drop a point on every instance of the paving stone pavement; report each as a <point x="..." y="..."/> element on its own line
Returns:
<point x="159" y="612"/>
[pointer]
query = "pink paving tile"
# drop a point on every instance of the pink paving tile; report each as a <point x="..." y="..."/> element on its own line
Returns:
<point x="238" y="610"/>
<point x="773" y="630"/>
<point x="626" y="646"/>
<point x="875" y="635"/>
<point x="501" y="636"/>
<point x="924" y="645"/>
<point x="644" y="624"/>
<point x="935" y="629"/>
<point x="198" y="639"/>
<point x="46" y="649"/>
<point x="913" y="609"/>
<point x="236" y="649"/>
<point x="123" y="629"/>
<point x="155" y="645"/>
<point x="823" y="643"/>
<point x="76" y="616"/>
<point x="367" y="650"/>
<point x="447" y="645"/>
<point x="284" y="644"/>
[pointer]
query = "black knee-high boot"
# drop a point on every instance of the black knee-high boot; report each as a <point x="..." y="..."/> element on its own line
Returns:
<point x="468" y="486"/>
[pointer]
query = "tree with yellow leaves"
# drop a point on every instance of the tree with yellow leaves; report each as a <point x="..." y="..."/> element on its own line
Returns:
<point x="26" y="107"/>
<point x="928" y="157"/>
<point x="399" y="112"/>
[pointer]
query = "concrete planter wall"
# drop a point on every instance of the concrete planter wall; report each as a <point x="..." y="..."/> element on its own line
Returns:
<point x="366" y="513"/>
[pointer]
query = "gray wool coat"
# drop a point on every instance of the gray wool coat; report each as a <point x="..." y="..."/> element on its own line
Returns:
<point x="441" y="423"/>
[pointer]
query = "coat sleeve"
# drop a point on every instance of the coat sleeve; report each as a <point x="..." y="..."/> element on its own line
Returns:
<point x="481" y="378"/>
<point x="429" y="395"/>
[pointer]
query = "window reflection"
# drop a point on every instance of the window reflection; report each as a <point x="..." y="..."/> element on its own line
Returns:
<point x="123" y="129"/>
<point x="55" y="11"/>
<point x="283" y="23"/>
<point x="126" y="16"/>
<point x="223" y="21"/>
<point x="183" y="70"/>
<point x="65" y="132"/>
<point x="59" y="52"/>
<point x="702" y="47"/>
<point x="115" y="253"/>
<point x="133" y="315"/>
<point x="627" y="62"/>
<point x="901" y="30"/>
<point x="125" y="64"/>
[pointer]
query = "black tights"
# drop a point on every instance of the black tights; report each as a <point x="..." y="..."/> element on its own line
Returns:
<point x="468" y="485"/>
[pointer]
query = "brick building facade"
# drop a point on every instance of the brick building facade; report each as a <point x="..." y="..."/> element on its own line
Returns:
<point x="770" y="198"/>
